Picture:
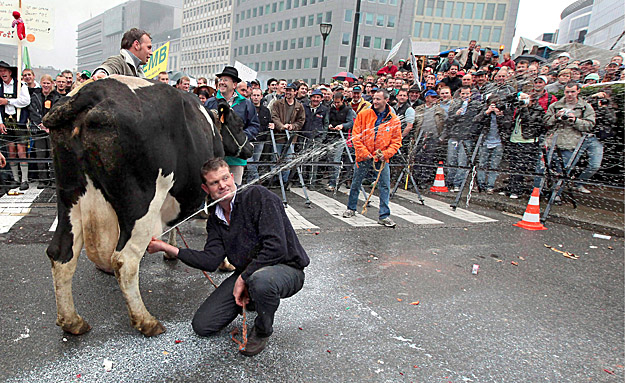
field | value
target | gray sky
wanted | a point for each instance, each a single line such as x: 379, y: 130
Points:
x: 534, y: 18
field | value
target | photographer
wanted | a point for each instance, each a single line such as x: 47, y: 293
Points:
x: 569, y: 117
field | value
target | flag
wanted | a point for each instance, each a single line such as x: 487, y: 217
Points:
x: 26, y: 59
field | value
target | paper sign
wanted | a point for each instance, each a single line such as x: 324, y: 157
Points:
x: 245, y: 73
x: 394, y: 51
x: 422, y: 48
x: 157, y: 62
x: 38, y: 20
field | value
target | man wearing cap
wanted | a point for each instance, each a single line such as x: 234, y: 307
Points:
x: 341, y: 118
x: 316, y: 126
x: 611, y: 72
x: 564, y: 76
x: 13, y: 120
x: 414, y: 96
x: 327, y: 96
x: 376, y: 138
x: 563, y: 60
x: 429, y: 119
x: 592, y: 78
x: 228, y: 80
x: 388, y: 69
x: 287, y: 114
x: 358, y: 103
x: 468, y: 56
x: 84, y: 76
x: 585, y: 67
x: 136, y: 49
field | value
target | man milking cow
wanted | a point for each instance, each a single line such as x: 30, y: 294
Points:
x: 251, y: 228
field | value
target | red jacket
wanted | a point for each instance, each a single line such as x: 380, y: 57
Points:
x: 367, y: 142
x: 510, y: 64
x: 546, y: 99
x: 386, y: 70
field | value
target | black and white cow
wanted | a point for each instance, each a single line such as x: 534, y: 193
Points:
x: 127, y: 159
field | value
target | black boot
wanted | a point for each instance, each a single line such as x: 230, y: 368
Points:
x: 255, y: 344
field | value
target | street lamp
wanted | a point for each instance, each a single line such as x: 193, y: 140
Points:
x: 325, y: 31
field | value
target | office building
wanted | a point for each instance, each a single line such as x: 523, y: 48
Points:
x: 607, y: 25
x: 574, y: 22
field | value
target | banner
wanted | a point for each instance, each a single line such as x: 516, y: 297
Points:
x: 157, y: 62
x: 421, y: 48
x: 245, y: 72
x: 38, y: 20
x: 394, y: 51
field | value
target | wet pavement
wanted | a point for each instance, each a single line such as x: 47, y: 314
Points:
x: 529, y: 315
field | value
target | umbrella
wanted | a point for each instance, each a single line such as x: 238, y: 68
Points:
x: 444, y: 53
x: 530, y: 58
x: 344, y: 76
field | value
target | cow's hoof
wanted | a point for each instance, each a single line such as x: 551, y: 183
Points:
x: 78, y: 327
x: 152, y: 328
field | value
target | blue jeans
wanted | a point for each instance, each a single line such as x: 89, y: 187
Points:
x: 594, y: 148
x: 360, y: 171
x: 457, y: 155
x: 251, y: 168
x: 288, y: 157
x: 489, y: 159
x: 334, y: 155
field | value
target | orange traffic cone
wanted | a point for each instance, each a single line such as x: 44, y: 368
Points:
x: 439, y: 180
x: 531, y: 218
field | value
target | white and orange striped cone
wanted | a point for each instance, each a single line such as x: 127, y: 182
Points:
x: 531, y: 218
x: 439, y: 180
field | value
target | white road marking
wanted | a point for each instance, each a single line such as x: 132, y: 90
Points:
x: 298, y: 221
x: 399, y: 211
x: 335, y: 208
x: 444, y: 208
x: 14, y: 207
x: 54, y: 224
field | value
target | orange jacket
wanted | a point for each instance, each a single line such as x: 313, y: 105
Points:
x: 366, y: 142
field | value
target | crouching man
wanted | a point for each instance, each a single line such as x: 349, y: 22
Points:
x: 251, y: 228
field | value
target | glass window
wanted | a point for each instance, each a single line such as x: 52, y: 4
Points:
x: 449, y: 9
x: 436, y: 30
x: 440, y: 4
x: 266, y: 28
x: 287, y: 24
x: 366, y: 42
x: 315, y: 62
x: 308, y: 41
x: 496, y: 35
x: 420, y: 7
x: 288, y: 4
x: 455, y: 32
x: 311, y: 20
x: 468, y: 11
x: 382, y: 1
x: 369, y: 18
x: 486, y: 33
x: 317, y: 40
x: 364, y: 64
x: 302, y: 21
x: 390, y: 23
x: 388, y: 44
x: 479, y: 11
x: 391, y: 2
x: 254, y: 12
x: 262, y: 66
x: 319, y: 18
x: 274, y: 7
x: 466, y: 29
x: 281, y: 6
x: 283, y: 65
x: 295, y: 3
x: 345, y: 39
x: 276, y: 65
x: 267, y: 9
x: 273, y: 27
x: 298, y: 64
x: 343, y: 61
x: 429, y: 8
x: 269, y: 65
x: 459, y: 10
x: 285, y: 45
x: 279, y: 26
x: 325, y: 61
x: 445, y: 34
x: 293, y: 42
x: 291, y: 63
x: 307, y: 63
x: 349, y: 15
x: 278, y: 46
x: 294, y: 22
x: 329, y: 17
x: 270, y: 47
x: 426, y: 30
x: 264, y: 47
x: 260, y: 13
x: 475, y: 34
x: 501, y: 11
x: 416, y: 31
x: 379, y: 22
x: 300, y: 42
x: 377, y: 43
x: 490, y: 11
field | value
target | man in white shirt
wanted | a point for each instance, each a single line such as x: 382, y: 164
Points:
x: 13, y: 121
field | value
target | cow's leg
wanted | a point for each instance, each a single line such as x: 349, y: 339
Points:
x: 62, y: 272
x: 126, y: 262
x: 172, y: 241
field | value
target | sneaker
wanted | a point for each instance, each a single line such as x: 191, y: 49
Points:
x: 456, y: 189
x: 558, y: 199
x: 43, y: 184
x: 388, y: 222
x: 490, y: 191
x: 330, y: 188
x: 581, y: 189
x: 24, y: 186
x: 502, y: 193
x: 514, y: 196
x: 255, y: 344
x: 349, y: 213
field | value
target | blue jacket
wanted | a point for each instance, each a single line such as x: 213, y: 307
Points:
x: 316, y: 125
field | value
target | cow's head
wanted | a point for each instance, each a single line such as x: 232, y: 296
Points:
x: 235, y: 141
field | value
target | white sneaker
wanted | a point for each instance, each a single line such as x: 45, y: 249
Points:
x: 349, y: 213
x: 456, y: 189
x: 582, y: 189
x: 514, y: 196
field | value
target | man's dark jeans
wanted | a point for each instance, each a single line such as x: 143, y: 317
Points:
x: 266, y: 287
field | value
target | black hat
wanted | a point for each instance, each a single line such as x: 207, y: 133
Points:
x: 231, y: 72
x: 586, y: 62
x: 291, y: 86
x: 480, y: 73
x: 4, y: 64
x: 357, y: 88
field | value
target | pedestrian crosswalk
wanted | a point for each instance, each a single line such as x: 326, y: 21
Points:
x: 326, y: 211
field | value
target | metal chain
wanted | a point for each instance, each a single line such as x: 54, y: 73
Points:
x: 473, y: 173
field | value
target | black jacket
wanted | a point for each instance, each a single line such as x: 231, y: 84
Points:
x: 260, y: 234
x: 462, y: 127
x: 264, y: 117
x: 38, y: 106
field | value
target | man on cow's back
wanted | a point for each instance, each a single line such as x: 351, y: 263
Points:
x: 136, y: 49
x: 251, y: 228
x: 228, y: 81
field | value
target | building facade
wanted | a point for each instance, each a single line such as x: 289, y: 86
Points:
x: 205, y: 41
x: 100, y: 36
x: 607, y: 25
x: 574, y: 22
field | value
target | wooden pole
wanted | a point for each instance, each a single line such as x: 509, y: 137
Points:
x: 19, y: 56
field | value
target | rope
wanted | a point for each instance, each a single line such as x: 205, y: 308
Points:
x: 187, y: 245
x: 364, y: 209
x: 243, y: 342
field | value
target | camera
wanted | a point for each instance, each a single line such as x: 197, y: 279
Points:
x: 564, y: 117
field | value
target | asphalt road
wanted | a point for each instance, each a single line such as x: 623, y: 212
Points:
x: 543, y: 318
